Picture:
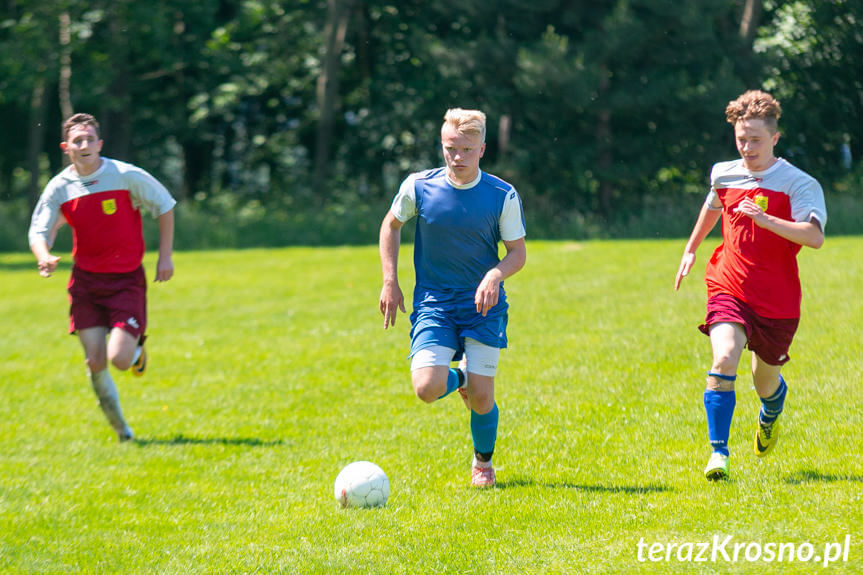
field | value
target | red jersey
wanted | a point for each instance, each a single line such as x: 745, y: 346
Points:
x: 103, y: 210
x: 754, y: 264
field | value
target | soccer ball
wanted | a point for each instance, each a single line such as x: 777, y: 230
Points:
x: 362, y: 484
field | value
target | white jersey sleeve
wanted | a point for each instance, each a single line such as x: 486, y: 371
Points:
x: 404, y: 205
x: 712, y: 199
x: 147, y: 193
x: 807, y: 200
x: 47, y: 217
x: 512, y: 218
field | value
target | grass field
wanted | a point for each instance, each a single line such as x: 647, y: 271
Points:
x: 270, y: 370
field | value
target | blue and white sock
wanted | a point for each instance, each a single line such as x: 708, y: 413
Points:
x: 772, y: 406
x: 719, y: 406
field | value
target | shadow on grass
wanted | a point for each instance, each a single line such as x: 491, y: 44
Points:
x: 627, y: 489
x: 184, y: 440
x: 810, y: 476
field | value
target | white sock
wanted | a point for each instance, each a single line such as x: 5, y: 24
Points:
x: 109, y: 400
x: 481, y: 464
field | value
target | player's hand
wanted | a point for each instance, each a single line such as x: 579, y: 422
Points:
x: 48, y: 265
x: 487, y: 293
x: 164, y: 269
x: 685, y: 266
x: 391, y: 301
x: 749, y: 208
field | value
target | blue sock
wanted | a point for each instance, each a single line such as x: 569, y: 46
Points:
x: 720, y: 408
x: 772, y: 406
x: 483, y: 428
x: 452, y: 382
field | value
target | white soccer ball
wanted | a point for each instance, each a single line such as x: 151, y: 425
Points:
x: 362, y: 484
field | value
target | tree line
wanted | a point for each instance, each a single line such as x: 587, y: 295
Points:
x: 599, y: 111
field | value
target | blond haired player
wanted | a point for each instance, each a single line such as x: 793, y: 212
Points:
x: 459, y: 304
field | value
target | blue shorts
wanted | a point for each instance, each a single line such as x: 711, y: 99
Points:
x: 446, y: 318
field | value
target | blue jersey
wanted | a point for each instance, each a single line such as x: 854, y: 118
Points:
x: 457, y: 230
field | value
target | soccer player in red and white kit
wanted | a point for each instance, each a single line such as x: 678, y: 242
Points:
x: 101, y: 199
x: 769, y: 210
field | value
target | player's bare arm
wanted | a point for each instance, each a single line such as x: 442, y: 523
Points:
x: 165, y: 265
x: 707, y: 218
x: 807, y: 234
x: 391, y: 299
x: 489, y: 288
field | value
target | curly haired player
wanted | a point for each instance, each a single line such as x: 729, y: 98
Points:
x: 769, y: 210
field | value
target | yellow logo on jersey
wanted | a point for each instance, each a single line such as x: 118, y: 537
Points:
x: 761, y: 202
x: 109, y: 207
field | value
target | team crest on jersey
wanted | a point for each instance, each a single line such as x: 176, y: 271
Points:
x: 109, y: 207
x: 761, y: 202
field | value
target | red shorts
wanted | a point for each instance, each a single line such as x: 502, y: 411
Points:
x: 768, y: 338
x: 108, y: 300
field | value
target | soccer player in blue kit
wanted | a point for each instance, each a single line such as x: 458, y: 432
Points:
x: 459, y: 304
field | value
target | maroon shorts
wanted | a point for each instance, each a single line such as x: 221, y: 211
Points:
x: 108, y: 300
x: 768, y: 338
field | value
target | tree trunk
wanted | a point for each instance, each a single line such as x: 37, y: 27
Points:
x: 605, y: 155
x: 36, y: 137
x: 749, y: 20
x: 338, y: 13
x: 65, y: 85
x: 192, y: 174
x: 504, y: 130
x: 116, y: 122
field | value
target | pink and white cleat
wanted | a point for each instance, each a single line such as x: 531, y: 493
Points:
x: 482, y: 477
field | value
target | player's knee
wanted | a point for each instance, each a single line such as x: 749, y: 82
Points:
x: 425, y: 389
x: 481, y: 394
x: 724, y: 363
x: 425, y: 394
x: 121, y: 358
x: 482, y: 403
x: 121, y: 363
x: 96, y: 361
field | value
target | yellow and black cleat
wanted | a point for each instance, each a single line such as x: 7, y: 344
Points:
x: 765, y: 437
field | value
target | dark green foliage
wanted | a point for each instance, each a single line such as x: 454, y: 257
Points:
x: 605, y: 115
x: 814, y: 51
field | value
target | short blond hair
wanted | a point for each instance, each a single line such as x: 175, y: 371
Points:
x: 754, y: 104
x: 465, y: 121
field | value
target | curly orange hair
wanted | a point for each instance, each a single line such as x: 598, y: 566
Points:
x: 754, y: 104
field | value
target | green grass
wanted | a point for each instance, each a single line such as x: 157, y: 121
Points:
x: 270, y: 370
